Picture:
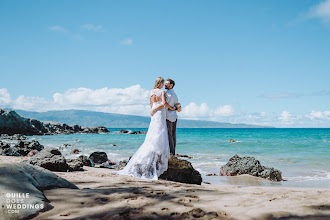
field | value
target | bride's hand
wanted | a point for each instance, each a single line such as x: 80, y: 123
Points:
x: 152, y: 112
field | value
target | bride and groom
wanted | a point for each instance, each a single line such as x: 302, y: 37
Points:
x: 151, y: 159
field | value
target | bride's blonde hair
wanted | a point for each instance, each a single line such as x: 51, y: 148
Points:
x: 159, y: 81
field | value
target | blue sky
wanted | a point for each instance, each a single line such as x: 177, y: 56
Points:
x: 255, y: 62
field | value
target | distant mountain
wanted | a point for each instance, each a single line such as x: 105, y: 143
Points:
x: 111, y: 120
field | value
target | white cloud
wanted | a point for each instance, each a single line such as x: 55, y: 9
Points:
x: 83, y: 96
x: 4, y: 98
x: 318, y: 115
x: 58, y: 28
x: 137, y: 109
x: 127, y: 42
x: 31, y: 103
x: 258, y: 115
x: 194, y: 111
x: 134, y: 101
x: 92, y: 27
x: 224, y: 111
x: 321, y: 11
x: 285, y: 117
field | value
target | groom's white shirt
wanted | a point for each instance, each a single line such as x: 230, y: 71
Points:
x: 171, y: 99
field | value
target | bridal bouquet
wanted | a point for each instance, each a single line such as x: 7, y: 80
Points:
x: 177, y: 106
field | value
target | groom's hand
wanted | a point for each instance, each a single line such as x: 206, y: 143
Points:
x: 152, y: 112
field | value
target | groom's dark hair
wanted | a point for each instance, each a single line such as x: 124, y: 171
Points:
x: 171, y: 82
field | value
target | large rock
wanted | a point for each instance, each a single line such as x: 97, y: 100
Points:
x: 249, y: 165
x: 50, y: 159
x: 181, y: 171
x: 98, y: 157
x: 21, y: 188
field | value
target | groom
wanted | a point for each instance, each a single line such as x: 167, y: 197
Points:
x: 171, y: 116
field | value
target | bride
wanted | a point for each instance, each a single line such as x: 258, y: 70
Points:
x: 151, y: 159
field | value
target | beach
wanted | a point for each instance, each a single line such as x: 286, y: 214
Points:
x: 103, y: 195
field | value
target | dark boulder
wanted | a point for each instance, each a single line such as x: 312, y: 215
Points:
x: 99, y: 157
x: 50, y: 159
x: 249, y: 165
x: 22, y: 179
x: 181, y: 171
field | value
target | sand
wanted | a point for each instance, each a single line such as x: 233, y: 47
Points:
x: 103, y: 195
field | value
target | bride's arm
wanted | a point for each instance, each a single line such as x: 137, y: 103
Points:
x: 162, y: 105
x: 150, y: 102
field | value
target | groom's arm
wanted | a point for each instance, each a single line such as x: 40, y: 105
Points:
x: 166, y: 104
x: 169, y: 107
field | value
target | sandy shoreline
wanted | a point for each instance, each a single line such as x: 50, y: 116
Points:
x: 103, y: 195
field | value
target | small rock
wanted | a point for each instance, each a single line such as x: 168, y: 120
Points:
x: 121, y: 165
x: 75, y: 151
x: 84, y: 159
x: 182, y: 155
x: 75, y: 166
x: 211, y: 174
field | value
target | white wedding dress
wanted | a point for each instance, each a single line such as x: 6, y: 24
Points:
x: 151, y: 159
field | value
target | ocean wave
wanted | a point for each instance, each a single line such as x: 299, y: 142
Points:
x: 322, y: 175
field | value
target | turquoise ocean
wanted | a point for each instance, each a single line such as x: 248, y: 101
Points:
x: 303, y: 155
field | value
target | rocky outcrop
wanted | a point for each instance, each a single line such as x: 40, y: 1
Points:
x: 131, y: 132
x: 23, y: 184
x: 11, y: 123
x: 13, y: 137
x: 249, y: 165
x: 20, y: 148
x: 50, y: 159
x: 181, y: 171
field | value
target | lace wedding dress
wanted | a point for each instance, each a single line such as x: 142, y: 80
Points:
x: 151, y: 159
